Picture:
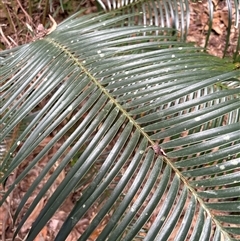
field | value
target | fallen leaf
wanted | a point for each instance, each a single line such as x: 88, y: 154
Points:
x: 33, y: 216
x: 54, y: 26
x: 42, y: 236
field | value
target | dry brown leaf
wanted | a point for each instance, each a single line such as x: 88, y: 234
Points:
x: 54, y: 26
x: 215, y: 2
x: 224, y: 17
x: 95, y: 233
x: 4, y: 219
x: 33, y: 216
x: 42, y: 236
x: 217, y: 26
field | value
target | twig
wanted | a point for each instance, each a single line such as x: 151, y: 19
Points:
x: 4, y: 37
x: 12, y: 41
x: 27, y: 15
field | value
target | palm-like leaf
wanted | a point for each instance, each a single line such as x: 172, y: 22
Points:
x: 120, y: 90
x: 172, y: 13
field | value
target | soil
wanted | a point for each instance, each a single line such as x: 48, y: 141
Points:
x: 12, y: 36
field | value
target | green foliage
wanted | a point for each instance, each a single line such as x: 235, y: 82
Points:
x: 110, y: 89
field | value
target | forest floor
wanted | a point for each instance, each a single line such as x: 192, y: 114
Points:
x: 12, y: 36
x: 18, y: 27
